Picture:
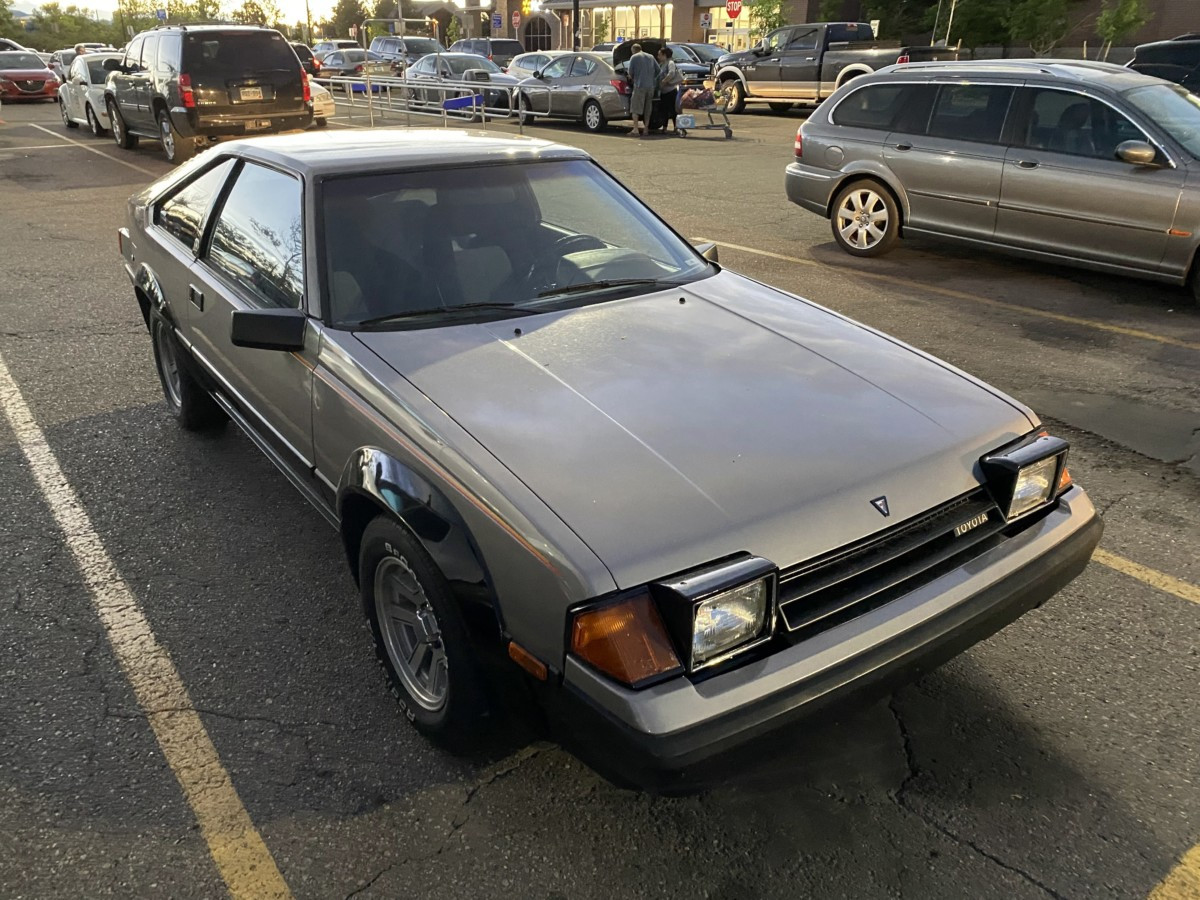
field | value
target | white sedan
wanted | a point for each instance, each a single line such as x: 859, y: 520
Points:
x: 324, y: 108
x: 81, y: 96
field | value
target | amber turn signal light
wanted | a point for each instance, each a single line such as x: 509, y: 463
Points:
x: 626, y: 640
x: 1064, y: 480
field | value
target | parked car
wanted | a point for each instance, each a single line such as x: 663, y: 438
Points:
x: 807, y: 63
x: 454, y: 68
x: 1066, y: 161
x: 356, y: 63
x: 784, y: 512
x: 190, y: 85
x: 9, y: 44
x: 321, y: 48
x: 1175, y: 60
x: 525, y: 65
x: 60, y: 61
x: 404, y: 51
x: 501, y: 51
x: 309, y: 63
x: 579, y: 86
x: 604, y: 47
x: 324, y: 107
x: 23, y: 76
x: 81, y: 96
x: 705, y: 53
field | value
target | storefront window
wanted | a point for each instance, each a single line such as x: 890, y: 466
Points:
x: 734, y: 34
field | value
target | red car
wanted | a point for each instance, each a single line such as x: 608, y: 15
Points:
x: 23, y: 76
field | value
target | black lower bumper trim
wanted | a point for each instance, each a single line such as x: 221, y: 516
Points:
x: 682, y: 762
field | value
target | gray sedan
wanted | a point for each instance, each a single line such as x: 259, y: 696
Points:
x: 580, y: 86
x: 576, y: 464
x: 1066, y: 161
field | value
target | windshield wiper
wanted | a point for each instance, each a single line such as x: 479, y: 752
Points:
x: 601, y: 285
x: 443, y: 311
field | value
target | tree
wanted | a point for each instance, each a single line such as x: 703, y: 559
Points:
x: 453, y: 30
x: 1042, y: 23
x: 900, y: 18
x: 1120, y: 20
x: 345, y: 14
x: 256, y: 12
x: 599, y: 28
x: 980, y: 23
x: 767, y: 15
x: 8, y: 27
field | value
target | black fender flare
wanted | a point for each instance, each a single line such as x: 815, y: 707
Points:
x: 373, y: 481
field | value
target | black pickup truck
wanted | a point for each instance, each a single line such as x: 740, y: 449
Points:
x: 807, y: 63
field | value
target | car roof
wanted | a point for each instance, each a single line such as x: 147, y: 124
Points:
x: 1074, y: 70
x: 344, y: 152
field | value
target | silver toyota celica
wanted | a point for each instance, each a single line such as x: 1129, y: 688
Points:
x: 577, y: 465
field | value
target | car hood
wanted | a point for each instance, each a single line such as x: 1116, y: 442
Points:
x: 680, y: 427
x: 27, y: 74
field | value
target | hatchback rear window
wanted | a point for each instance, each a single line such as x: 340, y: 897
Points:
x: 223, y: 54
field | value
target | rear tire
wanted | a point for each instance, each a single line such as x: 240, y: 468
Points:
x: 192, y: 406
x: 321, y: 123
x: 62, y: 108
x: 421, y: 640
x: 865, y: 219
x: 780, y: 107
x: 1194, y: 281
x: 178, y: 148
x: 93, y: 121
x: 593, y: 117
x: 121, y: 135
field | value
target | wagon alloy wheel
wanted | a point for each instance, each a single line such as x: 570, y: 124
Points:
x: 865, y: 219
x: 411, y: 633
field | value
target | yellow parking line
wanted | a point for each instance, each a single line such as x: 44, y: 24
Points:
x: 1158, y: 580
x: 973, y: 298
x: 241, y: 857
x: 1183, y: 883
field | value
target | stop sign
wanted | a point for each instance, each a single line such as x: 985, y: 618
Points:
x: 733, y: 7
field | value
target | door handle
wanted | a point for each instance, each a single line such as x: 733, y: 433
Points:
x: 904, y: 146
x: 1027, y: 163
x: 810, y: 59
x: 196, y: 296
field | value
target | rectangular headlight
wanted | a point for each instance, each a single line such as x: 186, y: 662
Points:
x: 728, y: 620
x: 1027, y: 475
x: 720, y: 610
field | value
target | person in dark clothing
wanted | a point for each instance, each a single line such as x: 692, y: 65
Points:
x: 669, y: 80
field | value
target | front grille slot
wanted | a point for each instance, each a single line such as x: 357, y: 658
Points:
x: 853, y: 580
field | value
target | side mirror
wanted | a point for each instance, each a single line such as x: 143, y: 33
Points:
x: 761, y: 48
x: 1139, y: 153
x: 708, y: 250
x: 112, y: 64
x: 537, y: 74
x: 268, y: 329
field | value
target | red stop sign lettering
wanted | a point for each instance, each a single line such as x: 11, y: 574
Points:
x: 733, y: 7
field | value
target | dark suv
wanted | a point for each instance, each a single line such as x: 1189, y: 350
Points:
x: 501, y: 51
x: 405, y: 50
x: 189, y: 85
x: 1175, y: 60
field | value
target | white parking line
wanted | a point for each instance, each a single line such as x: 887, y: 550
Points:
x: 241, y: 857
x: 36, y: 147
x: 122, y: 162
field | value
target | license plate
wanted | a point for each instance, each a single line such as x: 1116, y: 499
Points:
x: 250, y: 93
x: 258, y: 124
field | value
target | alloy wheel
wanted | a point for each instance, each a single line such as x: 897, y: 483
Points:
x: 591, y: 117
x: 862, y: 219
x: 168, y: 363
x: 168, y: 138
x: 411, y: 633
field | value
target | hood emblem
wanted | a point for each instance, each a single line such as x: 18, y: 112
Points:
x: 880, y: 503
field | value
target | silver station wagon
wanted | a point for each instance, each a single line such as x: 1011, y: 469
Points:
x: 578, y: 467
x: 1075, y: 162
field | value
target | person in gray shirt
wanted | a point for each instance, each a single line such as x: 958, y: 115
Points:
x: 643, y: 72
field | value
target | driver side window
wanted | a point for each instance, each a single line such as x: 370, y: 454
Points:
x: 133, y: 55
x: 557, y: 69
x: 803, y: 40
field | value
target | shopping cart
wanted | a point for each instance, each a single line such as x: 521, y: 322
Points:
x: 713, y: 103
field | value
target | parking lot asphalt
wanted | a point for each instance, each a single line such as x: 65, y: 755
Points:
x: 1059, y: 758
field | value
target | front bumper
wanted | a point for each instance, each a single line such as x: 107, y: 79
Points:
x: 810, y: 187
x: 11, y: 91
x: 664, y: 738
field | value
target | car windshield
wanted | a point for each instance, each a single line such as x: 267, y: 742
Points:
x: 460, y: 64
x: 407, y: 249
x: 422, y: 45
x: 679, y: 54
x: 1174, y: 109
x: 707, y: 52
x: 20, y: 61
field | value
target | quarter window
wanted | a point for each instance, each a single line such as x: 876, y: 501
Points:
x: 1075, y: 124
x: 970, y: 112
x: 258, y: 241
x: 182, y: 214
x: 582, y: 66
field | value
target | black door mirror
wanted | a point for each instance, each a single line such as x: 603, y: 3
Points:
x: 1137, y: 152
x: 112, y: 64
x: 268, y: 329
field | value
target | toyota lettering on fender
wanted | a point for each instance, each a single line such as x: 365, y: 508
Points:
x: 733, y: 7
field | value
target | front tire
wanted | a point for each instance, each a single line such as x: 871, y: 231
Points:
x: 865, y: 220
x: 593, y: 117
x: 192, y: 406
x: 420, y: 638
x: 178, y: 148
x: 737, y: 96
x: 321, y: 123
x: 62, y: 108
x: 121, y: 135
x: 94, y: 122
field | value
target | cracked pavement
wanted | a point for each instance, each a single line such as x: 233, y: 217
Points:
x: 1058, y: 758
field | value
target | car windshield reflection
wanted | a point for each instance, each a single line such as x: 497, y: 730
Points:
x: 490, y: 241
